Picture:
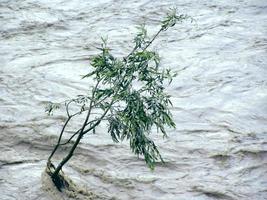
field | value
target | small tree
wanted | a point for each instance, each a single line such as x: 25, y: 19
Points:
x: 128, y: 94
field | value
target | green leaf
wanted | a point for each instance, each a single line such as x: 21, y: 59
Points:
x: 51, y: 107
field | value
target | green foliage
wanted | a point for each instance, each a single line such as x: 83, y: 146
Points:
x: 130, y: 94
x: 172, y: 18
x: 50, y: 107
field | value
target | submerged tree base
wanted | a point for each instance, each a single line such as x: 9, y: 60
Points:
x: 60, y: 180
x: 65, y: 187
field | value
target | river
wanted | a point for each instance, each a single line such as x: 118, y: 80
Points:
x: 217, y: 151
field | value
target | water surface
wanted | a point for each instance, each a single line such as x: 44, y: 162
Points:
x: 219, y: 149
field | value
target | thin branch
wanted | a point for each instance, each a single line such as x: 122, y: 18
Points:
x: 77, y: 132
x: 148, y: 44
x: 62, y: 163
x: 155, y: 36
x: 59, y: 139
x: 67, y: 107
x: 102, y: 117
x: 97, y: 103
x: 127, y: 57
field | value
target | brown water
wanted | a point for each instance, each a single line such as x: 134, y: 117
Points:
x: 219, y: 149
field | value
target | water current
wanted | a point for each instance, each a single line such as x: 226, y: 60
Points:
x: 217, y: 151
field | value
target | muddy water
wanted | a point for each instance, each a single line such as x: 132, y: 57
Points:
x: 219, y: 149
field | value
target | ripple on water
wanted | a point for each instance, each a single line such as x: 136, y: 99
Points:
x: 218, y: 150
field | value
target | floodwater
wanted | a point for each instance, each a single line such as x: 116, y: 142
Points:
x: 219, y: 148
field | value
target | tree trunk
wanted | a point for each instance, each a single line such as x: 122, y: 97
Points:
x: 57, y: 178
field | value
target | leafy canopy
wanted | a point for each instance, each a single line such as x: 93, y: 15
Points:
x: 130, y: 93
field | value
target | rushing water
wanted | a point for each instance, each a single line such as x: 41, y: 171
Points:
x: 219, y: 149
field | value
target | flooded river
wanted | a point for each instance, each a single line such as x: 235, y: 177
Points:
x: 219, y: 148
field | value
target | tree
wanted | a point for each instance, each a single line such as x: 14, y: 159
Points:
x: 129, y: 94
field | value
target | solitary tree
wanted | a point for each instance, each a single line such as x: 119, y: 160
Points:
x: 129, y: 94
